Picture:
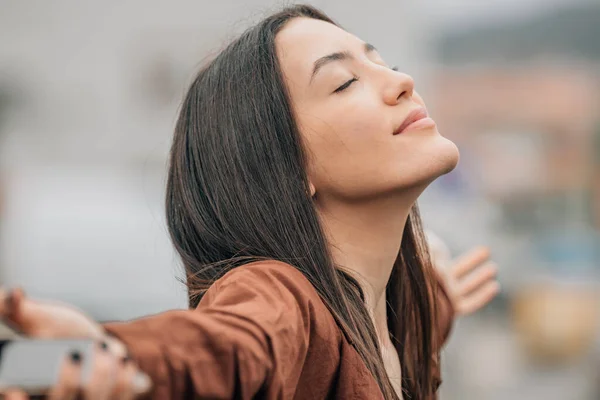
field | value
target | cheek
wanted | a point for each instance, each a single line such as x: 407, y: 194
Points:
x: 353, y: 122
x: 342, y: 129
x: 418, y: 99
x: 345, y: 148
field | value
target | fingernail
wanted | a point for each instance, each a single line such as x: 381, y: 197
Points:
x: 75, y: 357
x: 102, y: 344
x: 141, y: 382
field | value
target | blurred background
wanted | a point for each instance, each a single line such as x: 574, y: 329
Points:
x: 88, y: 98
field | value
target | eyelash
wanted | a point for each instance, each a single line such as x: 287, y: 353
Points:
x: 355, y: 79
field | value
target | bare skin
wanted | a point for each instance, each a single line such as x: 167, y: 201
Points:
x: 113, y: 375
x: 364, y: 178
x: 471, y: 281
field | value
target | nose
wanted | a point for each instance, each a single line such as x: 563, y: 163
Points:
x: 399, y: 86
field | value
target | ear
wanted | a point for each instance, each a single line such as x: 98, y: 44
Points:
x: 312, y: 189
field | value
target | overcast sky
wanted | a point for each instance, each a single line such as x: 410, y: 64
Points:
x: 443, y: 12
x: 459, y: 12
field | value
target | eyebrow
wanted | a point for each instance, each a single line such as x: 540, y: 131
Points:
x: 337, y: 56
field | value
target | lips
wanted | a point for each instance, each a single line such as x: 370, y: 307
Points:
x: 414, y: 116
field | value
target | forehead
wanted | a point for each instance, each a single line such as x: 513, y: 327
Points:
x: 304, y: 40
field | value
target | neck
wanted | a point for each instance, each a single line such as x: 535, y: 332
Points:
x: 365, y: 240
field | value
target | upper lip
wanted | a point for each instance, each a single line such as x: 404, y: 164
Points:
x: 413, y: 116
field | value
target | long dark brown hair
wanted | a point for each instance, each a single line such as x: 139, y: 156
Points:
x: 238, y: 192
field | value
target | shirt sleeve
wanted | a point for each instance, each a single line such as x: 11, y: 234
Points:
x: 248, y: 337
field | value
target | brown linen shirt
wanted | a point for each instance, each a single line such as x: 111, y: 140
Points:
x: 261, y: 331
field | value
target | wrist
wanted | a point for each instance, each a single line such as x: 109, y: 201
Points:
x: 117, y: 347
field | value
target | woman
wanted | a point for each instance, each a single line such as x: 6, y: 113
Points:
x: 297, y: 160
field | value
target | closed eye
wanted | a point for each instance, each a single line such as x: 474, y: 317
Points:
x: 351, y: 81
x: 345, y: 85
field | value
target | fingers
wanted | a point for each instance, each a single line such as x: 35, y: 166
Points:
x: 104, y: 373
x: 115, y: 377
x: 476, y: 300
x: 111, y: 377
x: 474, y: 278
x: 11, y: 306
x: 116, y: 347
x: 68, y: 387
x: 123, y: 388
x: 477, y: 279
x: 469, y: 261
x: 131, y: 382
x: 15, y: 395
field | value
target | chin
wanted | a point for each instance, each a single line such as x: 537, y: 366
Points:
x: 449, y: 156
x: 437, y: 156
x: 444, y: 158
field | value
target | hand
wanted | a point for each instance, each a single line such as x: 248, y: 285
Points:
x: 471, y: 281
x: 45, y: 319
x: 51, y: 320
x: 113, y: 373
x: 15, y: 394
x: 110, y: 378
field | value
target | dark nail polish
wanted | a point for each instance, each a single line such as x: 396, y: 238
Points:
x: 75, y: 357
x: 103, y: 345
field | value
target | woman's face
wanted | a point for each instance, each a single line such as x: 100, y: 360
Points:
x: 348, y: 106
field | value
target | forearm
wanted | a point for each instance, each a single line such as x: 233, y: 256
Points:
x: 190, y: 354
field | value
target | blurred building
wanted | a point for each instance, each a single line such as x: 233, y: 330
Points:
x: 534, y: 129
x: 521, y: 99
x: 89, y: 93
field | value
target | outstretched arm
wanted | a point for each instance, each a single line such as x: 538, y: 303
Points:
x: 249, y: 335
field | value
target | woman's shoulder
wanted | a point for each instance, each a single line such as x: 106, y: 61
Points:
x: 271, y: 273
x: 272, y: 287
